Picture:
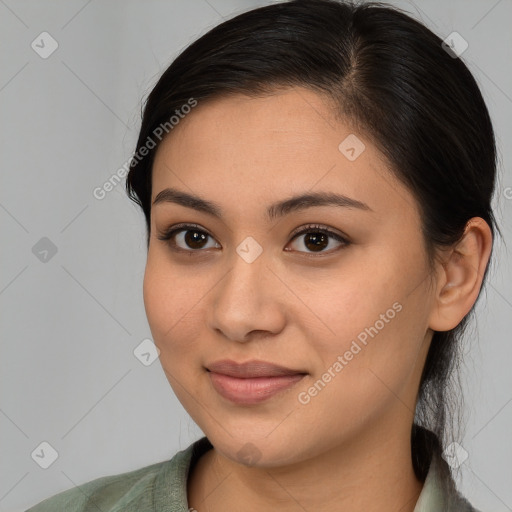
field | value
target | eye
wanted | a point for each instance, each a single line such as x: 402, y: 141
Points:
x: 182, y: 236
x: 316, y: 238
x: 192, y: 238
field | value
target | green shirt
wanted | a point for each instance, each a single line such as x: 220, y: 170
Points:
x: 162, y: 487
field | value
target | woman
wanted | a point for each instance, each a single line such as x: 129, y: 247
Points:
x: 316, y: 179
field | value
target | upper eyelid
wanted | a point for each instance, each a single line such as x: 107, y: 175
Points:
x: 320, y: 227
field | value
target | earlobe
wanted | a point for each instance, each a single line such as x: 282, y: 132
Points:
x: 460, y: 276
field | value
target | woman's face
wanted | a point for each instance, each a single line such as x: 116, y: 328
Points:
x: 351, y: 316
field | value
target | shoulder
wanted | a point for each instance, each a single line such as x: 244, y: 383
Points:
x: 159, y: 487
x: 133, y: 488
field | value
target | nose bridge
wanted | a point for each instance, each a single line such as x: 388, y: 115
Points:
x: 243, y: 300
x: 246, y: 275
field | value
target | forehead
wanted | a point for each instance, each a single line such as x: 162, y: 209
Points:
x: 253, y: 149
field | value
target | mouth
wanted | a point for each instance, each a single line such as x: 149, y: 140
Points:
x: 251, y: 369
x: 251, y: 382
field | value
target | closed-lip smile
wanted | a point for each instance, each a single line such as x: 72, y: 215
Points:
x: 252, y: 368
x: 251, y: 382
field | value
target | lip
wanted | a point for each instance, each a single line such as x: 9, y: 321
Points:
x: 252, y: 368
x: 251, y: 382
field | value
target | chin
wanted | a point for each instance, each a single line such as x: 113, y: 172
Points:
x: 255, y: 450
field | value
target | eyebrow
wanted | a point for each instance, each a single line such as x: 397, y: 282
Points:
x: 275, y: 210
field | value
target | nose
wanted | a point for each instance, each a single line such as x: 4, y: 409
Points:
x: 247, y: 302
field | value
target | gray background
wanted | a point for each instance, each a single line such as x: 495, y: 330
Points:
x: 70, y: 325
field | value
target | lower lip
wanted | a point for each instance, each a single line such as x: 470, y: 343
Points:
x: 251, y: 391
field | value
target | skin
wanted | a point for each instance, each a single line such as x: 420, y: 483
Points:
x: 349, y: 447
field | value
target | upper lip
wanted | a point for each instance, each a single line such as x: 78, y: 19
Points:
x: 253, y: 368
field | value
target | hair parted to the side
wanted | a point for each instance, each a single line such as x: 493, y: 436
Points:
x: 389, y: 75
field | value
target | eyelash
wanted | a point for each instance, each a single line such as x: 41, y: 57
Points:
x: 311, y: 228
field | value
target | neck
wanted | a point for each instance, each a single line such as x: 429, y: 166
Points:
x: 372, y: 471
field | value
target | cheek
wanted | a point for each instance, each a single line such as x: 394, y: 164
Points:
x: 371, y: 319
x: 173, y: 317
x: 380, y: 355
x: 172, y: 304
x: 351, y: 304
x: 366, y: 371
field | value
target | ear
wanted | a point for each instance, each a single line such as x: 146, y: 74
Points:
x: 459, y: 276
